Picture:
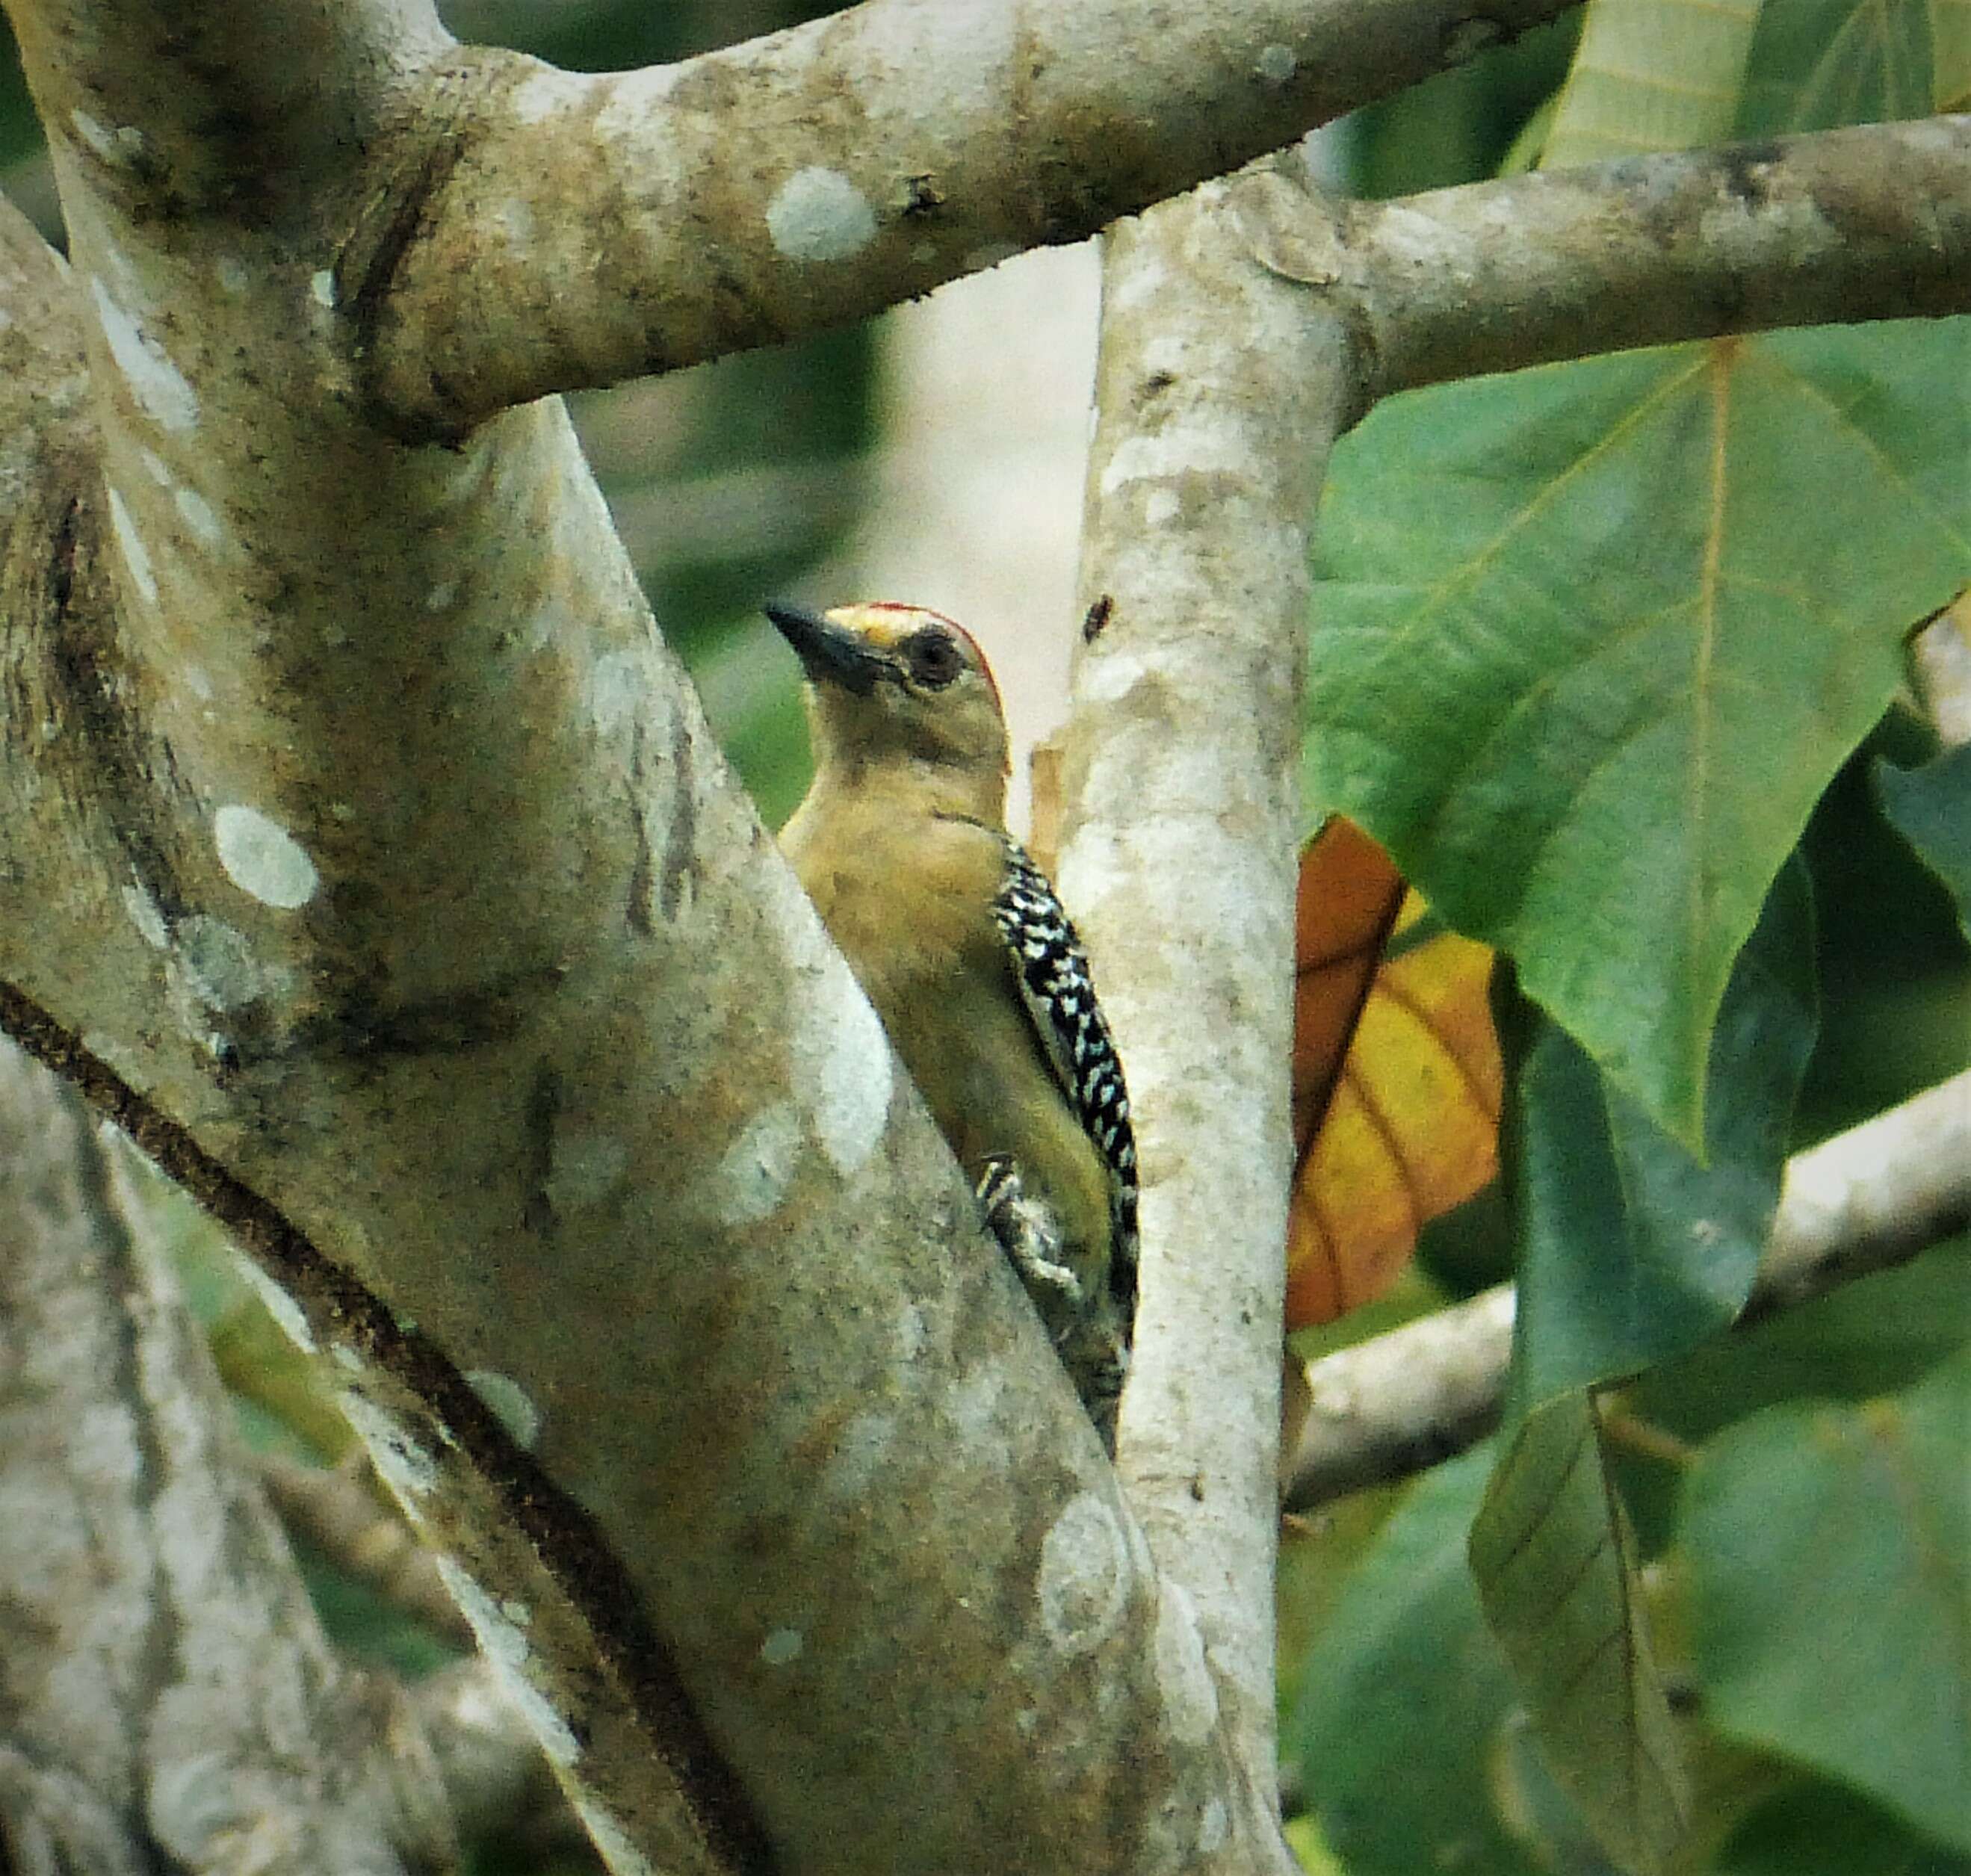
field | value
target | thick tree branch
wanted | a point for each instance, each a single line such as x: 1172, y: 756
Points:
x: 365, y: 854
x: 172, y: 1701
x: 570, y: 230
x: 1868, y: 1199
x: 1217, y: 400
x: 1845, y: 225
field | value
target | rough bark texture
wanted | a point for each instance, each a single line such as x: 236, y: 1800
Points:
x: 1217, y: 398
x: 170, y: 1700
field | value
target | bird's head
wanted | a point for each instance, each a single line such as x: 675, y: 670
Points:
x: 889, y: 683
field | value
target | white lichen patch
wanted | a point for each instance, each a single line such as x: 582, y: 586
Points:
x: 509, y: 1403
x: 1179, y: 448
x: 782, y: 1646
x: 622, y: 1856
x: 1214, y: 1825
x: 197, y: 515
x: 233, y: 274
x: 585, y: 1164
x: 279, y: 1303
x: 752, y: 1176
x: 1276, y: 64
x: 136, y: 556
x: 516, y: 1612
x: 840, y: 1053
x: 1190, y: 1697
x: 321, y: 288
x: 401, y: 1463
x: 974, y: 1404
x: 542, y: 93
x: 1085, y: 1575
x: 155, y: 467
x: 616, y: 684
x: 218, y: 962
x: 262, y: 858
x: 144, y: 915
x: 119, y: 148
x: 162, y: 390
x: 1161, y: 506
x: 438, y: 597
x: 818, y: 214
x: 196, y: 682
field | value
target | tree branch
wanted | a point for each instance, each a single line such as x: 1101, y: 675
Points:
x: 1844, y: 225
x: 171, y: 1699
x: 1217, y: 399
x: 575, y: 230
x: 1861, y: 1202
x: 367, y: 857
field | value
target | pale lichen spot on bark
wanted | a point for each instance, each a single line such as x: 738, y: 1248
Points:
x: 1276, y: 64
x: 162, y: 390
x: 1214, y: 1825
x: 1190, y: 1695
x: 321, y: 288
x: 752, y: 1176
x: 840, y: 1052
x: 782, y: 1646
x: 975, y: 1405
x: 277, y: 1301
x: 609, y: 1837
x: 401, y: 1463
x: 1179, y: 448
x: 542, y: 93
x: 196, y: 683
x: 262, y: 858
x: 136, y: 556
x: 1161, y: 506
x: 233, y: 274
x: 818, y: 214
x: 616, y: 685
x: 509, y: 1404
x: 119, y: 148
x: 198, y: 516
x: 218, y: 962
x: 501, y: 1640
x: 145, y: 916
x: 1085, y: 1575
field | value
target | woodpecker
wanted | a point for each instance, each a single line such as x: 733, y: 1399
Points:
x: 970, y: 961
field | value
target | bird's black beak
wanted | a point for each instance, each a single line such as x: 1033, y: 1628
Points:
x: 830, y: 654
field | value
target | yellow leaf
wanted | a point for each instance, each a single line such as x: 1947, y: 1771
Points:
x: 1396, y: 1077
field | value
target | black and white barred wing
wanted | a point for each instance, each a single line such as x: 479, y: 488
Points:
x: 1059, y: 992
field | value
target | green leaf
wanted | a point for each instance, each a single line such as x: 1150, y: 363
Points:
x: 1931, y: 809
x: 1405, y: 1675
x: 1633, y: 1250
x: 1592, y: 639
x: 1819, y: 1827
x: 1553, y: 1560
x: 1652, y: 75
x: 1815, y: 63
x: 1831, y: 1592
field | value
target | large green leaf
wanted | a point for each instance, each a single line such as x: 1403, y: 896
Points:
x: 1632, y: 1250
x: 1815, y: 63
x: 1829, y: 1552
x: 1553, y: 1560
x: 1651, y: 75
x: 1592, y: 639
x: 1931, y: 809
x: 1403, y: 1695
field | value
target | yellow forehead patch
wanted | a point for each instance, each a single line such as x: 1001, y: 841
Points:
x: 884, y: 623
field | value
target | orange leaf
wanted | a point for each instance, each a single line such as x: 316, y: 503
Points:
x: 1396, y: 1077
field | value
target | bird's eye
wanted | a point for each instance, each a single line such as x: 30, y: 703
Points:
x: 933, y: 657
